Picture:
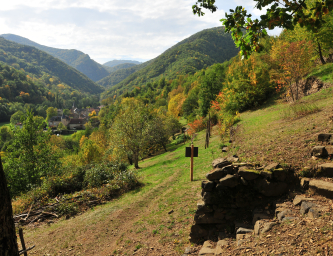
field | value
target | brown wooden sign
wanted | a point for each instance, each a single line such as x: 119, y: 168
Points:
x: 188, y: 152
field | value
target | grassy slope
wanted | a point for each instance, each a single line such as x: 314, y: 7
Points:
x: 139, y: 218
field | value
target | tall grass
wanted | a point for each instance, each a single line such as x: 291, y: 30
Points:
x: 299, y: 109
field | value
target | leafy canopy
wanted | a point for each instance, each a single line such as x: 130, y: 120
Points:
x: 284, y: 14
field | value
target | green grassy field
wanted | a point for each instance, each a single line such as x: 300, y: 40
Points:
x: 4, y: 124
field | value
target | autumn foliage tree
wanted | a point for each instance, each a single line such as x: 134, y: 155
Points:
x: 291, y: 62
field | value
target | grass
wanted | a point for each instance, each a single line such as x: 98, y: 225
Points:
x: 299, y: 109
x: 4, y: 124
x: 323, y: 72
x: 142, y: 215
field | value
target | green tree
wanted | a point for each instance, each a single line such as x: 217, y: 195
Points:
x: 16, y: 117
x: 130, y: 131
x: 61, y: 127
x: 247, y: 32
x: 51, y: 112
x: 29, y: 157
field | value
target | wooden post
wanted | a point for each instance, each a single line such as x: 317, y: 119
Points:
x: 192, y: 151
x: 22, y: 242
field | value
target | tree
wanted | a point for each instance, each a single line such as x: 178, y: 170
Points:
x: 292, y: 62
x: 130, y: 131
x: 246, y: 32
x: 29, y: 157
x: 61, y: 127
x: 16, y: 117
x: 321, y: 38
x: 51, y: 112
x: 8, y: 242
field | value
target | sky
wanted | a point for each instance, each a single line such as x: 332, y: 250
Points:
x: 111, y: 29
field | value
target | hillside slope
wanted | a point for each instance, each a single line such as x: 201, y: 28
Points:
x: 38, y: 62
x: 121, y: 74
x: 188, y: 56
x: 74, y: 58
x: 156, y: 219
x: 120, y: 66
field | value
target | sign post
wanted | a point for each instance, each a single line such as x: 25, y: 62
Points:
x: 192, y: 162
x: 191, y: 152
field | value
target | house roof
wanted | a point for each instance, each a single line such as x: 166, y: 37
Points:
x: 77, y: 121
x: 55, y: 118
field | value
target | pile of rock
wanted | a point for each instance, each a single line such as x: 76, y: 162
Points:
x: 301, y: 208
x: 237, y: 195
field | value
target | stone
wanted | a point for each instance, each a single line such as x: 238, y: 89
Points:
x: 288, y: 219
x: 279, y: 174
x: 207, y: 249
x: 324, y: 137
x: 200, y: 231
x: 219, y: 245
x: 208, y: 186
x: 208, y: 198
x: 242, y: 164
x: 267, y: 174
x: 242, y: 236
x: 319, y: 151
x: 207, y: 218
x: 313, y: 213
x: 326, y: 169
x: 203, y: 208
x: 219, y: 173
x: 187, y: 250
x: 283, y: 214
x: 219, y: 214
x: 329, y: 150
x: 305, y: 207
x: 228, y: 181
x: 225, y: 149
x: 233, y: 159
x: 268, y: 188
x: 248, y: 174
x: 257, y: 226
x: 305, y: 183
x: 299, y: 199
x: 220, y: 162
x: 244, y: 231
x: 267, y: 226
x: 259, y: 216
x: 323, y: 188
x: 272, y: 166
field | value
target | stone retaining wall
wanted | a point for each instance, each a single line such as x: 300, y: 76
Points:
x: 237, y: 195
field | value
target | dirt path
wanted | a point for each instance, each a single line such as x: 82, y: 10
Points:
x: 110, y: 229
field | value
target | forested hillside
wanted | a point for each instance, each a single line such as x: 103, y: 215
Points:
x: 119, y: 75
x: 120, y: 66
x: 188, y: 56
x: 113, y: 63
x: 39, y: 63
x: 74, y: 58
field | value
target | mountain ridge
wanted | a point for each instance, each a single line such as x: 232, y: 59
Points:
x: 75, y: 58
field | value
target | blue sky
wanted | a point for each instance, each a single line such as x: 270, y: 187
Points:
x: 111, y: 29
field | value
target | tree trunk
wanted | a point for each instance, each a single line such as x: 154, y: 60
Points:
x: 164, y: 146
x: 320, y: 54
x: 136, y: 161
x: 8, y: 243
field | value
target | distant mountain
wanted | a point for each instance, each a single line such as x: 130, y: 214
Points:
x: 74, y: 58
x: 120, y: 66
x: 113, y: 63
x: 187, y: 57
x: 39, y: 63
x: 119, y: 75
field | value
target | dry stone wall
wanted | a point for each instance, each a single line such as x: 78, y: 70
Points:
x: 237, y: 195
